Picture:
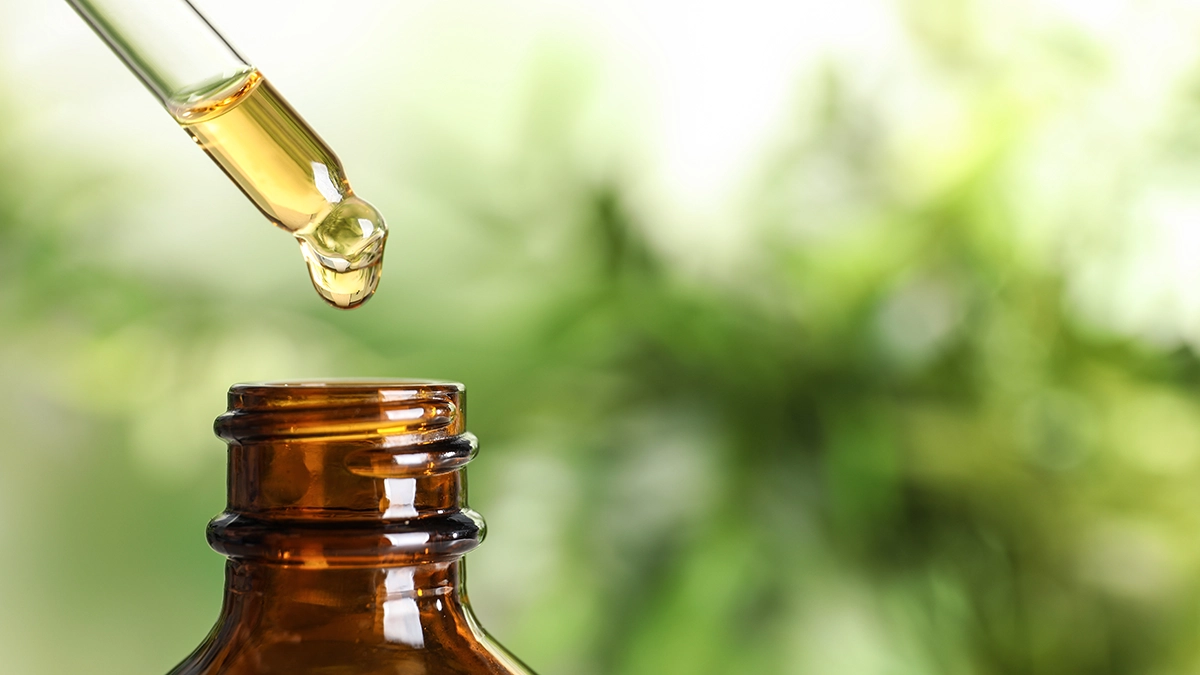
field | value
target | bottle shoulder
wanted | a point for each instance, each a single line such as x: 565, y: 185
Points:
x: 341, y: 658
x: 452, y: 643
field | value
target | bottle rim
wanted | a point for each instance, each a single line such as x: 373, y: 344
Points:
x: 408, y: 411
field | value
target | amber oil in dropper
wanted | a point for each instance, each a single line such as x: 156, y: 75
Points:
x: 294, y: 178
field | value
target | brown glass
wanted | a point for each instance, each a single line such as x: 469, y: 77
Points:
x: 345, y: 530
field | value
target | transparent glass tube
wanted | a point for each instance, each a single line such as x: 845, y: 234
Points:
x: 169, y: 45
x: 253, y: 135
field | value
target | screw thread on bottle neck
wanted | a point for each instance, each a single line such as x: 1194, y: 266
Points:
x: 346, y: 474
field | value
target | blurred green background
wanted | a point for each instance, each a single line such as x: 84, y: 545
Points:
x: 823, y: 338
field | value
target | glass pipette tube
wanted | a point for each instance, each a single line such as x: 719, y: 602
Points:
x: 253, y: 134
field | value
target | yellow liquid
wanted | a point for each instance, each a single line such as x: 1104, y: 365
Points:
x: 297, y: 182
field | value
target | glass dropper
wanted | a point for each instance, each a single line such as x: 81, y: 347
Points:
x: 253, y: 134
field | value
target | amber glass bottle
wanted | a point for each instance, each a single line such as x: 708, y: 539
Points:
x: 345, y: 531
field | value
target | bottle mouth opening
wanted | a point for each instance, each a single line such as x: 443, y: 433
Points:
x: 404, y: 411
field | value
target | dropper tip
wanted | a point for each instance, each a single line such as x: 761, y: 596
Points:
x: 344, y: 252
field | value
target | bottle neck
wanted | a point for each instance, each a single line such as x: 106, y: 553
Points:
x: 415, y: 606
x: 347, y: 515
x: 323, y: 505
